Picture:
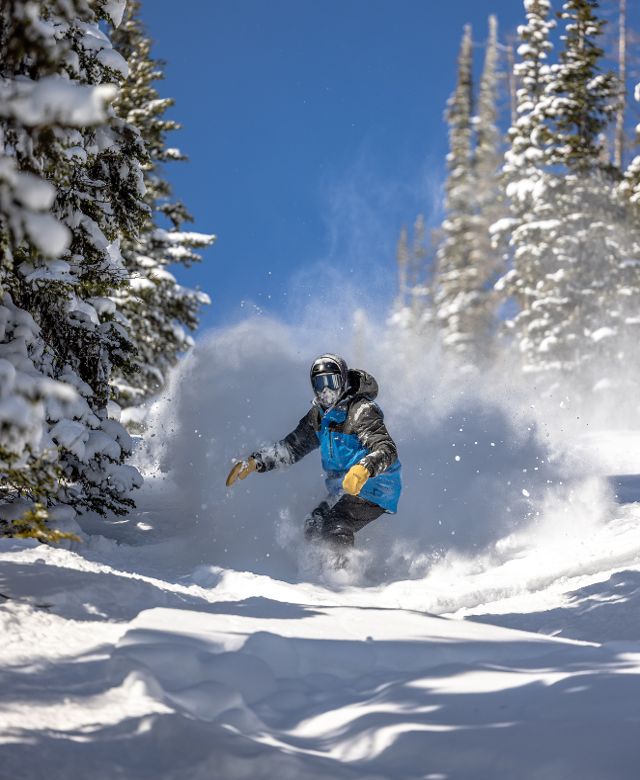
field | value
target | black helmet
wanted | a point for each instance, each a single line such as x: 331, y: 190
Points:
x: 328, y: 378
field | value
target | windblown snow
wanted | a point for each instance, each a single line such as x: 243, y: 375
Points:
x: 488, y: 631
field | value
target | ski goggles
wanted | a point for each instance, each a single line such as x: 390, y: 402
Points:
x: 321, y: 381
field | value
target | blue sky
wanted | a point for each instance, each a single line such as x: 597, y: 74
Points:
x: 314, y: 130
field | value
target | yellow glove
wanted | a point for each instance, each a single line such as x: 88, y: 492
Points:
x: 354, y: 479
x: 241, y: 470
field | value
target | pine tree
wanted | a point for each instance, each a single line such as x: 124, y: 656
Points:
x: 567, y: 248
x: 590, y: 249
x: 467, y: 265
x: 456, y: 292
x: 485, y: 260
x: 70, y: 190
x: 525, y: 159
x: 582, y: 99
x: 156, y: 308
x: 525, y: 232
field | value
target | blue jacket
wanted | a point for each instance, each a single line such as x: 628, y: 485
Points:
x: 351, y: 432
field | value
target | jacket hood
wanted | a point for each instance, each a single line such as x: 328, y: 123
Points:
x: 360, y: 383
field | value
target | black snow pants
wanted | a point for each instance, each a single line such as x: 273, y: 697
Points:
x: 337, y: 524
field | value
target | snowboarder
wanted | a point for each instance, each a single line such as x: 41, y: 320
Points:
x: 359, y: 456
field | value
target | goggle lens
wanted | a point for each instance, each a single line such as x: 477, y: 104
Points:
x: 332, y: 381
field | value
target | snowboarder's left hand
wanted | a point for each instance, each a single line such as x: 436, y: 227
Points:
x: 354, y: 479
x: 241, y: 470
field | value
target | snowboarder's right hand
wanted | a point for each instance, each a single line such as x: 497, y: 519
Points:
x: 241, y: 470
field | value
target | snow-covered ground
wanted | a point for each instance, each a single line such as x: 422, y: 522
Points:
x: 489, y: 631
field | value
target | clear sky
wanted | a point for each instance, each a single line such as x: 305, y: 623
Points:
x: 314, y: 130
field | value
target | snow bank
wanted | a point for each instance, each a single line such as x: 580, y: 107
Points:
x: 345, y: 693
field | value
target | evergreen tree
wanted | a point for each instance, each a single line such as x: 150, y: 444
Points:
x: 525, y: 159
x: 582, y: 304
x: 582, y: 99
x: 467, y: 265
x: 525, y: 232
x: 156, y: 308
x: 456, y: 293
x: 70, y: 189
x: 566, y: 236
x: 485, y: 260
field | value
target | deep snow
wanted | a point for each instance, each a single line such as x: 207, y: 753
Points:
x: 488, y: 630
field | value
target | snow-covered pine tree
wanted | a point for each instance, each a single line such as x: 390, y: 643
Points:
x: 467, y: 264
x: 576, y: 307
x: 455, y: 289
x: 524, y: 159
x: 71, y: 188
x: 525, y: 233
x: 155, y: 306
x: 582, y: 98
x: 485, y: 260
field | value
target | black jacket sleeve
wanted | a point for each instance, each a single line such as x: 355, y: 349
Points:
x: 292, y: 448
x: 368, y: 425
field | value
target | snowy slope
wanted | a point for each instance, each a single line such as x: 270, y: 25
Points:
x: 123, y: 674
x: 489, y: 630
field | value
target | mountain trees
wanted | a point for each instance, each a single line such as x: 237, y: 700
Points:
x: 72, y: 188
x: 559, y: 215
x: 156, y: 308
x: 466, y: 265
x: 578, y: 250
x: 75, y: 193
x: 530, y: 222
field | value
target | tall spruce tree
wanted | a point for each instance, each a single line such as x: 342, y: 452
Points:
x: 525, y: 232
x: 485, y: 260
x: 156, y: 308
x: 579, y: 288
x: 70, y: 188
x: 467, y: 264
x: 456, y: 295
x: 582, y: 98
